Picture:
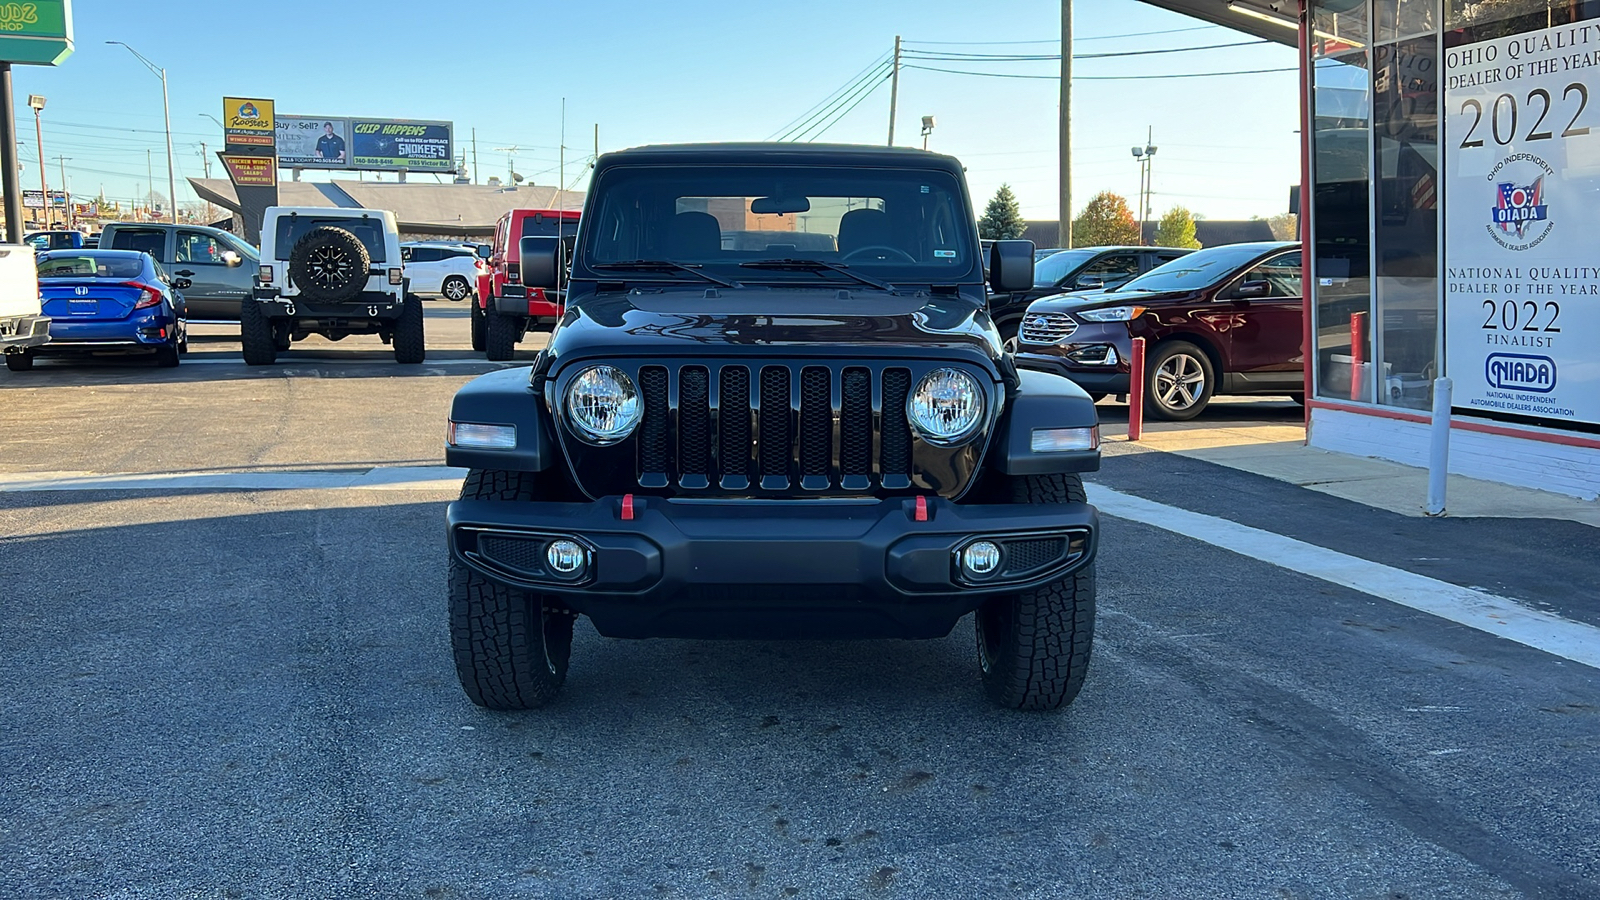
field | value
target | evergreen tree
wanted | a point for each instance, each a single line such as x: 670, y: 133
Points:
x: 1176, y: 229
x: 1002, y: 220
x: 1105, y: 222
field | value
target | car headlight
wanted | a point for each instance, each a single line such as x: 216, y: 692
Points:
x: 1111, y: 314
x: 603, y: 405
x: 946, y: 407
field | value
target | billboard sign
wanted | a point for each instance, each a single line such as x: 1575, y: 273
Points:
x: 1521, y: 286
x: 38, y: 32
x: 313, y: 142
x: 389, y: 144
x: 247, y: 122
x: 35, y: 199
x: 251, y: 171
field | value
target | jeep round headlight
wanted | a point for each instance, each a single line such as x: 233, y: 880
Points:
x: 603, y: 405
x: 946, y: 407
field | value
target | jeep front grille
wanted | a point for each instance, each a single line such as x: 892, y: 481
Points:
x: 774, y: 428
x: 1047, y: 327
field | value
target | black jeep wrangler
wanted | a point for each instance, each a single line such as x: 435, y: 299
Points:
x: 775, y: 407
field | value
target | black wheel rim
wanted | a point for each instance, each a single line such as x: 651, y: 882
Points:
x: 330, y: 267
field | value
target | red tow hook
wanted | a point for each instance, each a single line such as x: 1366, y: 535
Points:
x: 627, y: 507
x: 922, y: 509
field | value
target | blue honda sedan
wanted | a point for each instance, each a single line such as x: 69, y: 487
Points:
x: 109, y: 302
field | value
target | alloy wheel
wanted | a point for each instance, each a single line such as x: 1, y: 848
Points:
x: 1180, y: 382
x: 330, y: 266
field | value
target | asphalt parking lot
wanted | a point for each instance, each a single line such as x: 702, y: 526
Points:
x: 221, y: 691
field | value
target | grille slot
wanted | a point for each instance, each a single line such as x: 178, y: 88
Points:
x: 1047, y: 327
x: 694, y: 426
x: 855, y: 423
x: 653, y: 430
x: 733, y: 425
x: 775, y: 439
x: 816, y: 424
x: 895, y: 452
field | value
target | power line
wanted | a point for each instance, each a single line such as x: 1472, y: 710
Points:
x: 877, y: 84
x: 807, y: 118
x: 821, y: 121
x: 1001, y: 57
x: 1102, y: 77
x: 1098, y: 37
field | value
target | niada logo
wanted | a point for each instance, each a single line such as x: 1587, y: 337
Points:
x: 1520, y: 217
x: 1517, y: 372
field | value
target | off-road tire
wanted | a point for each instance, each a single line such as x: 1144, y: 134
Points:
x: 167, y: 357
x: 500, y: 334
x: 19, y: 362
x: 255, y: 335
x: 456, y: 289
x: 477, y: 326
x: 1033, y: 646
x: 1157, y: 408
x: 329, y: 265
x: 410, y: 346
x: 282, y: 338
x: 511, y: 647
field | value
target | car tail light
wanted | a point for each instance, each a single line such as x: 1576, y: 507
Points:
x: 265, y: 274
x: 149, y: 296
x: 397, y: 276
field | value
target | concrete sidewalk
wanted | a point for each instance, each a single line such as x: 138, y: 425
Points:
x: 1277, y: 450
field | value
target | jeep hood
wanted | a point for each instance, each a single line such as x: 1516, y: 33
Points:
x: 771, y: 323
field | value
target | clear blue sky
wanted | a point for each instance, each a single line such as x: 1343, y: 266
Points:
x: 691, y: 70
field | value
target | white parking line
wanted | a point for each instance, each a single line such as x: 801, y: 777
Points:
x: 403, y: 478
x: 1483, y: 611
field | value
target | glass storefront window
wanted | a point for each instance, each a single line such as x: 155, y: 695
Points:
x: 1394, y: 20
x: 1341, y: 111
x: 1339, y: 25
x: 1406, y: 225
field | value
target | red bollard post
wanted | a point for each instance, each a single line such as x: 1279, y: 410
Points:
x: 1358, y: 352
x: 1136, y: 390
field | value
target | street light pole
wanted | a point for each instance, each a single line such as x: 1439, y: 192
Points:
x: 66, y: 196
x: 166, y: 109
x: 37, y: 102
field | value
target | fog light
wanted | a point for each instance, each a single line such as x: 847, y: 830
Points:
x: 565, y: 557
x: 980, y: 557
x: 1056, y: 440
x: 1095, y: 355
x: 482, y: 437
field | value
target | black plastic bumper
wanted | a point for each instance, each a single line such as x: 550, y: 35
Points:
x: 1099, y: 380
x: 772, y: 569
x: 370, y: 305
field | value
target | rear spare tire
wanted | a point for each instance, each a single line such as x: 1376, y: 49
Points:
x: 329, y: 265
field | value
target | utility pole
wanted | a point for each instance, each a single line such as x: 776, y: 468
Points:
x: 150, y: 180
x: 205, y: 162
x: 596, y: 145
x: 37, y: 102
x: 894, y: 87
x: 66, y: 195
x: 1064, y: 236
x: 10, y: 177
x: 474, y: 156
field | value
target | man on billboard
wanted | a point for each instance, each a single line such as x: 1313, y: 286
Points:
x: 330, y: 146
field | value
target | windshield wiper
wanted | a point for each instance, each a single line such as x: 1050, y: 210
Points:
x: 817, y: 265
x: 662, y: 265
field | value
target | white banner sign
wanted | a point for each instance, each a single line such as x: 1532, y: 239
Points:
x: 1522, y: 231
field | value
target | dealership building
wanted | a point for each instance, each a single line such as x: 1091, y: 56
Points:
x: 1451, y: 193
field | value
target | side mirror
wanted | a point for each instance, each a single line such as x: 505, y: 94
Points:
x: 1091, y: 282
x: 1252, y: 289
x: 484, y: 251
x: 231, y: 259
x: 1011, y: 266
x: 539, y: 258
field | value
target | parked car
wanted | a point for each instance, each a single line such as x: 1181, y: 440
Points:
x: 65, y: 239
x: 1047, y: 251
x: 106, y: 302
x: 769, y: 441
x: 442, y: 269
x: 221, y: 267
x: 23, y: 325
x: 1223, y: 320
x: 506, y: 309
x: 1078, y: 269
x: 333, y: 271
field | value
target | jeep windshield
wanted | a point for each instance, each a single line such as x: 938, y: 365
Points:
x: 804, y: 225
x: 368, y: 230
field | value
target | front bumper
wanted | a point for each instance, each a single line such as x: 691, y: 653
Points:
x: 18, y: 333
x: 519, y: 300
x: 772, y: 568
x: 1090, y: 338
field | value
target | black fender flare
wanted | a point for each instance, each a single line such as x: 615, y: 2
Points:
x: 506, y: 397
x: 1044, y: 400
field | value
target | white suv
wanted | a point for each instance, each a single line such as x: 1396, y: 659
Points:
x: 334, y: 272
x: 442, y: 269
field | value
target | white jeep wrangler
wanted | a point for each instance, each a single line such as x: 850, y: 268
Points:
x: 333, y: 272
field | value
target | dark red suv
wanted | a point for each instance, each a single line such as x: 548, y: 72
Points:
x: 1223, y: 320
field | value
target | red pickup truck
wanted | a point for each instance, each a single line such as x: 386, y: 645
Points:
x: 506, y: 309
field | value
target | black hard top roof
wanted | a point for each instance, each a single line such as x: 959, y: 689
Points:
x: 781, y: 154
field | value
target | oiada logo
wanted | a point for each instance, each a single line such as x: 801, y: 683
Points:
x: 1520, y: 217
x: 1517, y: 372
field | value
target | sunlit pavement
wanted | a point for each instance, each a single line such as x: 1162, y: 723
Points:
x: 232, y: 691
